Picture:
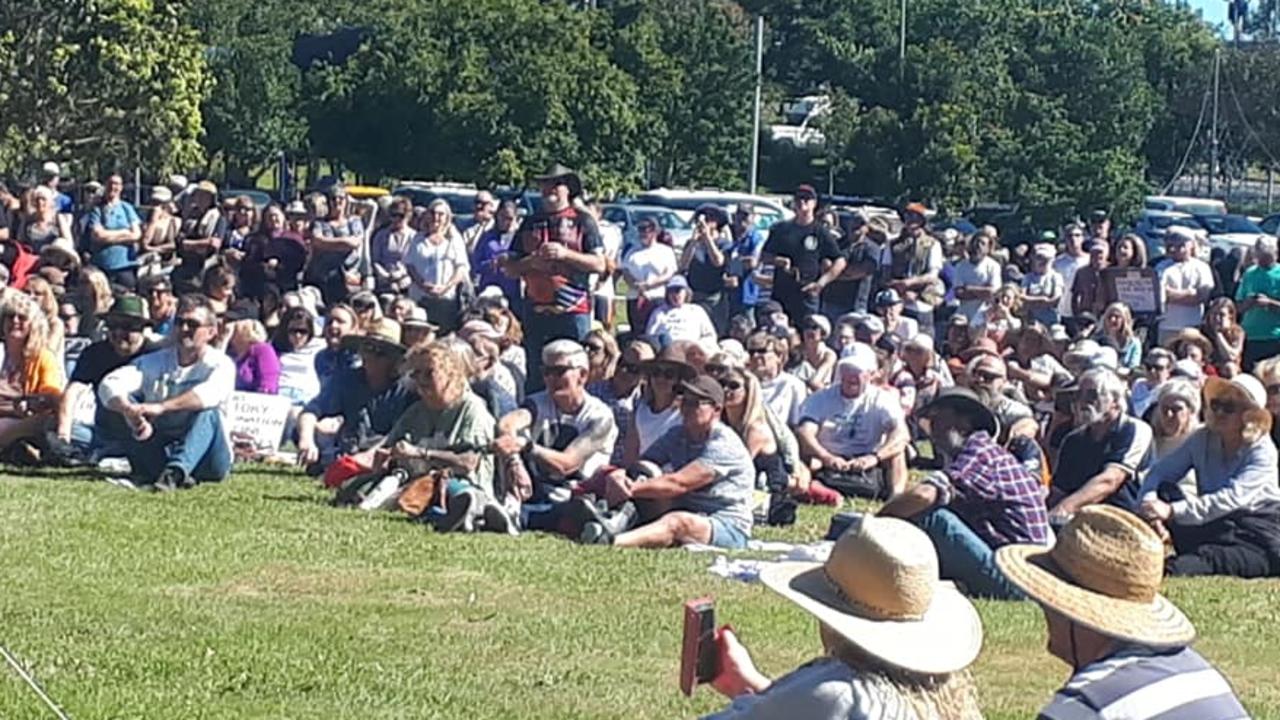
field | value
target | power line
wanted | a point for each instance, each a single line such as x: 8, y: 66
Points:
x: 1236, y: 101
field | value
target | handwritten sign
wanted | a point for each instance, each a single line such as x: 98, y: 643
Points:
x: 258, y: 420
x: 1139, y: 288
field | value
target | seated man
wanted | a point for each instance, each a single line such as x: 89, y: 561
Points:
x: 1232, y: 527
x: 369, y: 398
x: 107, y: 436
x: 981, y: 500
x: 1128, y: 647
x: 703, y: 495
x: 783, y: 392
x: 678, y: 319
x: 854, y: 433
x: 173, y: 400
x: 560, y: 436
x: 1100, y: 460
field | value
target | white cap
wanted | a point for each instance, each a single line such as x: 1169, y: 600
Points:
x: 1188, y: 368
x: 50, y: 169
x: 921, y: 341
x: 858, y: 356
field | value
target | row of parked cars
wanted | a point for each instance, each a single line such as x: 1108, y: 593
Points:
x: 1226, y: 231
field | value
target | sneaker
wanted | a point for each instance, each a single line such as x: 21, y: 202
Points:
x: 461, y: 514
x: 595, y: 533
x: 384, y: 494
x: 171, y: 478
x: 497, y: 519
x: 115, y: 466
x: 579, y: 511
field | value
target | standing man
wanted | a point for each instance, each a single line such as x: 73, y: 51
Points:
x: 173, y: 401
x: 1073, y: 258
x: 862, y: 247
x: 1186, y: 283
x: 1043, y: 288
x: 1127, y: 645
x: 912, y: 264
x: 50, y: 177
x: 114, y: 232
x: 977, y: 277
x: 482, y: 221
x: 1259, y: 298
x: 744, y: 291
x: 1088, y: 294
x: 798, y: 249
x: 556, y: 251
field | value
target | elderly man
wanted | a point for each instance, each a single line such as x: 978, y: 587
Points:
x: 482, y: 221
x: 107, y: 436
x: 368, y: 398
x: 173, y: 402
x: 1128, y: 647
x: 781, y: 391
x: 854, y: 433
x: 1088, y: 292
x: 982, y: 500
x: 1100, y: 460
x: 1186, y: 283
x: 561, y: 436
x: 988, y: 376
x: 703, y: 494
x: 555, y: 251
x: 1259, y: 304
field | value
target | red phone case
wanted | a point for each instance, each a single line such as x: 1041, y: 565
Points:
x: 698, y: 651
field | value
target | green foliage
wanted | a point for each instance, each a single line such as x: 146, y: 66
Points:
x: 106, y: 84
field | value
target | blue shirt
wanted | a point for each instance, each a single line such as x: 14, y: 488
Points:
x: 748, y: 246
x: 119, y: 215
x: 1242, y: 482
x: 366, y: 415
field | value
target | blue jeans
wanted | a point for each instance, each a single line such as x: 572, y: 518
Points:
x: 540, y: 329
x: 965, y: 557
x: 195, y: 443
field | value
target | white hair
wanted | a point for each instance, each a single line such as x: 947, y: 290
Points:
x: 569, y: 351
x: 1266, y: 244
x: 1108, y: 383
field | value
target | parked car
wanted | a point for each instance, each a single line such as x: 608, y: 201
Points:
x: 461, y: 197
x: 685, y: 202
x: 1229, y: 232
x: 628, y: 216
x: 1189, y: 205
x: 1152, y: 225
x: 260, y: 198
x: 1270, y: 224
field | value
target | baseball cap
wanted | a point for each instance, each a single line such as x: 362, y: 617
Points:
x: 704, y: 387
x: 860, y: 357
x: 805, y: 192
x: 888, y: 297
x: 50, y: 169
x: 677, y: 282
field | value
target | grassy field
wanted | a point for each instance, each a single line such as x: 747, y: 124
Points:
x: 256, y: 600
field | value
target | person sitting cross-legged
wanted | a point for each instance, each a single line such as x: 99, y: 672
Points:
x: 173, y: 401
x: 854, y: 433
x: 703, y: 494
x: 983, y: 498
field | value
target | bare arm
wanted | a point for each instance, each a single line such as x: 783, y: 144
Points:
x: 911, y: 503
x: 1099, y: 488
x: 690, y: 477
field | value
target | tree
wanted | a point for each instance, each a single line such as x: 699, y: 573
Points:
x: 116, y: 83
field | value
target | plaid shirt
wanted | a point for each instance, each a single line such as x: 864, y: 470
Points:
x: 995, y: 495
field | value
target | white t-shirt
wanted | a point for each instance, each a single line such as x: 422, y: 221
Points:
x: 906, y: 328
x: 852, y: 427
x: 591, y: 428
x: 652, y: 425
x: 436, y: 264
x: 298, y: 378
x: 1066, y: 266
x: 647, y: 263
x: 611, y: 240
x: 1193, y: 274
x: 687, y: 322
x: 784, y: 395
x: 986, y: 273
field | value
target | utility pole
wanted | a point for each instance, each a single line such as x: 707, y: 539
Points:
x: 902, y: 42
x: 1213, y: 137
x: 755, y: 125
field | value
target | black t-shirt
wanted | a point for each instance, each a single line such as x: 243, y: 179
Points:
x: 96, y: 361
x: 569, y: 292
x: 1127, y: 445
x: 703, y: 276
x: 806, y: 246
x: 6, y: 220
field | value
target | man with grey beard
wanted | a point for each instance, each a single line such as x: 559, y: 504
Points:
x: 982, y: 499
x: 1101, y: 459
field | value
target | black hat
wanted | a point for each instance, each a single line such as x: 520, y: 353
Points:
x: 805, y: 192
x: 704, y: 387
x: 243, y: 309
x: 965, y: 402
x: 713, y: 213
x: 558, y: 173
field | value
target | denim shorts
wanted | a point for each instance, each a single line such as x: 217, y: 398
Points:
x: 726, y: 535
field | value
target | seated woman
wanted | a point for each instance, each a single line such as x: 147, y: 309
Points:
x: 1174, y: 417
x: 257, y: 365
x: 296, y: 347
x: 816, y: 359
x: 1116, y: 330
x: 31, y: 380
x: 602, y: 355
x: 1223, y: 330
x: 658, y: 408
x: 1268, y: 371
x: 1233, y: 527
x: 896, y: 641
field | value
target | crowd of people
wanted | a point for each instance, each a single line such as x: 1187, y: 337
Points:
x: 483, y: 377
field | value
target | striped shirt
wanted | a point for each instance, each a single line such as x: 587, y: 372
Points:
x: 1140, y: 683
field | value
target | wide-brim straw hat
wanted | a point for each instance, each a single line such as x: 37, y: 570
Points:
x: 880, y: 591
x: 1242, y: 388
x: 1104, y: 573
x: 1190, y: 335
x: 382, y: 337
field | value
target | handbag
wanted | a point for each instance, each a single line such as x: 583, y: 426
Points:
x: 422, y: 493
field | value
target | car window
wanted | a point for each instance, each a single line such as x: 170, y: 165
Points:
x: 1270, y: 225
x: 615, y: 215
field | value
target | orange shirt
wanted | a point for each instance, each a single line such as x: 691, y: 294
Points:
x: 42, y: 375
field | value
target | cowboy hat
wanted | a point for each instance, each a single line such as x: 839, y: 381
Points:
x: 673, y: 356
x: 880, y: 591
x: 1245, y: 389
x: 1104, y: 573
x: 382, y: 337
x: 964, y: 401
x: 559, y: 174
x: 1189, y: 335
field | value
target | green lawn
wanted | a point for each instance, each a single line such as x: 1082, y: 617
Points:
x: 256, y: 600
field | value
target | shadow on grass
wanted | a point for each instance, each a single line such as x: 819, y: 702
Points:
x: 319, y: 500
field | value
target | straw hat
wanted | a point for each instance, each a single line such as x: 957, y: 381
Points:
x: 381, y: 337
x: 1190, y: 335
x: 1244, y: 389
x: 1104, y: 573
x: 880, y: 590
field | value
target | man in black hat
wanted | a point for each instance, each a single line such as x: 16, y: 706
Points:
x: 556, y: 250
x: 106, y: 434
x: 703, y: 494
x: 805, y: 257
x: 981, y: 500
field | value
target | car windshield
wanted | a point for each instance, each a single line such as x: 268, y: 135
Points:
x: 665, y: 220
x: 689, y: 204
x: 1219, y: 224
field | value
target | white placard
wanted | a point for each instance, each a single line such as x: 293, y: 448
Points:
x: 1137, y: 289
x: 259, y: 419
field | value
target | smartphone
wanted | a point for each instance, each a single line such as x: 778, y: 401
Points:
x: 698, y: 652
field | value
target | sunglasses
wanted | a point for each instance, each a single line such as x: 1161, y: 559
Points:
x: 1273, y: 389
x: 363, y: 305
x: 628, y: 368
x: 759, y: 350
x: 556, y: 370
x: 1225, y: 407
x: 593, y: 349
x: 1158, y: 367
x: 986, y: 376
x: 398, y: 216
x: 187, y: 324
x: 299, y: 331
x: 731, y: 385
x: 648, y: 228
x: 1087, y: 396
x: 717, y: 369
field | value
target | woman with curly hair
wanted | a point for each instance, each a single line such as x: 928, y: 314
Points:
x: 31, y: 380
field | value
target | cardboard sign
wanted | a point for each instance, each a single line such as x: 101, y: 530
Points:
x: 258, y: 420
x: 1139, y: 288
